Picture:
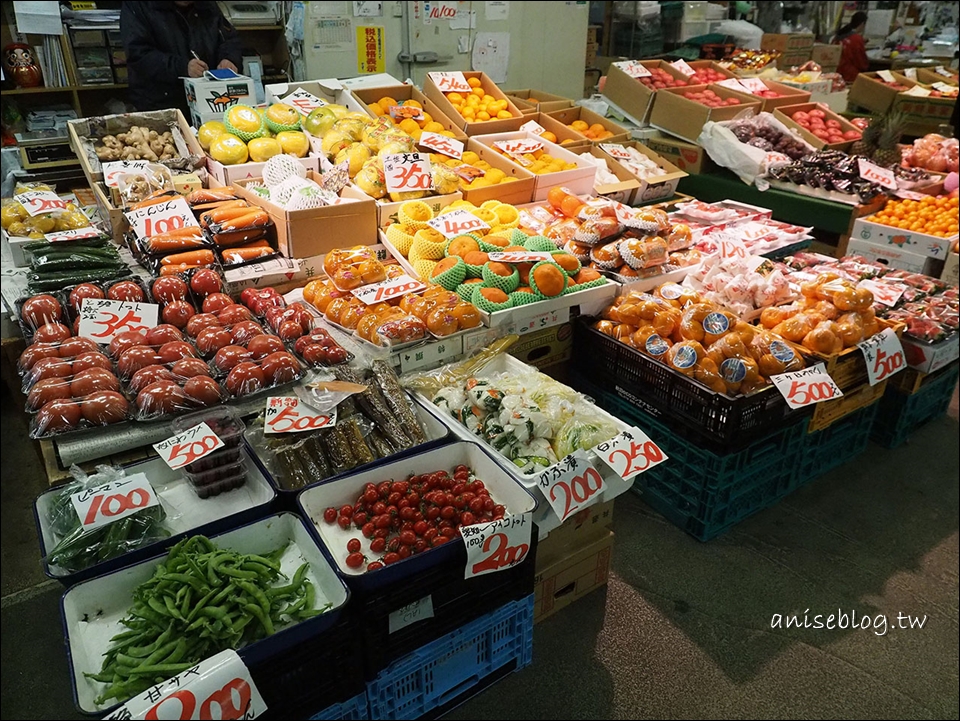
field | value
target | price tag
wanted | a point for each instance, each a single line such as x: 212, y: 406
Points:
x: 532, y: 126
x: 411, y: 613
x: 163, y: 217
x: 496, y: 545
x: 38, y: 202
x: 733, y: 249
x: 457, y: 222
x: 886, y: 292
x: 219, y: 687
x: 388, y: 289
x: 633, y: 68
x: 683, y: 66
x: 807, y: 386
x: 469, y: 172
x: 630, y: 453
x: 304, y: 101
x: 616, y: 151
x: 441, y: 144
x: 102, y: 319
x: 908, y: 194
x: 940, y: 70
x: 113, y: 501
x: 753, y: 85
x: 113, y: 171
x: 286, y: 414
x: 62, y: 236
x: 431, y: 355
x: 875, y: 174
x: 542, y: 320
x: 944, y: 88
x: 517, y: 148
x: 883, y: 354
x: 732, y: 84
x: 450, y: 82
x: 191, y: 445
x: 518, y: 256
x: 886, y: 76
x: 336, y: 178
x: 571, y: 484
x: 406, y: 112
x: 918, y: 91
x: 911, y: 73
x: 407, y: 171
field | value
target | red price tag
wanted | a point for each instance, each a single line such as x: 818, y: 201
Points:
x: 286, y: 414
x: 630, y: 453
x: 219, y: 687
x: 457, y: 222
x: 38, y: 202
x: 807, y: 386
x: 102, y: 319
x: 496, y: 545
x: 113, y: 171
x: 441, y: 144
x: 388, y: 289
x: 883, y: 354
x: 571, y: 484
x: 450, y: 82
x: 189, y: 446
x: 633, y: 68
x: 304, y: 101
x: 616, y: 151
x: 518, y: 256
x: 884, y: 291
x: 113, y: 501
x: 407, y: 171
x: 683, y: 66
x: 161, y: 218
x: 62, y: 236
x: 733, y: 249
x: 875, y: 174
x: 519, y: 147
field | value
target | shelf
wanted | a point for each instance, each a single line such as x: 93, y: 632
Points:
x: 241, y: 28
x: 42, y: 89
x: 105, y: 86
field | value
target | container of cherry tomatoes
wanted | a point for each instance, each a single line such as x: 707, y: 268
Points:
x: 225, y: 468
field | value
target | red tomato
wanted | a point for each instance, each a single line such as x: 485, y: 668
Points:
x: 72, y: 347
x: 162, y: 398
x: 47, y: 390
x: 244, y: 379
x: 92, y: 380
x: 205, y: 281
x: 200, y: 321
x: 244, y: 331
x: 91, y: 359
x: 169, y: 289
x: 280, y: 368
x: 248, y: 294
x: 178, y: 312
x: 212, y: 339
x: 355, y: 560
x: 228, y: 357
x: 831, y: 123
x: 263, y: 345
x: 50, y: 368
x: 105, y: 407
x: 817, y: 113
x: 314, y: 354
x: 41, y: 309
x: 51, y: 333
x: 215, y: 302
x: 290, y: 330
x: 189, y: 368
x: 122, y: 341
x: 800, y: 115
x: 852, y: 135
x: 151, y: 374
x: 234, y: 314
x: 82, y: 292
x: 163, y: 333
x: 126, y: 290
x: 203, y: 390
x: 58, y: 415
x: 135, y: 358
x: 36, y: 351
x: 177, y: 350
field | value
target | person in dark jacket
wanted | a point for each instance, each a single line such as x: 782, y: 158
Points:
x: 166, y: 41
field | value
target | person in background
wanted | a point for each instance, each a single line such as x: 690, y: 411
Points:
x: 853, y: 56
x: 166, y: 41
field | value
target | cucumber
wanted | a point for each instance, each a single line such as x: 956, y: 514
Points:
x: 38, y: 283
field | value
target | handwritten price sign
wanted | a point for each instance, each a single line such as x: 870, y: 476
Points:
x: 161, y: 218
x: 450, y: 82
x: 732, y: 84
x: 875, y: 174
x: 518, y: 256
x: 189, y: 446
x: 532, y: 126
x: 683, y: 67
x: 883, y: 354
x: 286, y: 414
x: 517, y: 148
x: 753, y: 85
x: 388, y: 289
x: 457, y: 222
x: 630, y: 453
x: 571, y: 484
x: 113, y: 171
x: 219, y: 687
x: 304, y: 101
x: 63, y: 236
x: 450, y: 147
x: 633, y: 68
x: 733, y: 249
x: 886, y: 292
x: 38, y: 202
x: 102, y: 319
x: 807, y: 386
x: 113, y: 501
x: 407, y: 171
x: 496, y: 545
x: 615, y: 151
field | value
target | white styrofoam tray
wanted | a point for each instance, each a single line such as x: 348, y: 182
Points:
x: 184, y: 508
x: 92, y: 610
x: 344, y: 491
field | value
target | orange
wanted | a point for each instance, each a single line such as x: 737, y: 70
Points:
x: 597, y: 128
x: 494, y: 295
x: 547, y: 135
x: 579, y: 125
x: 473, y: 82
x: 566, y: 261
x: 466, y: 314
x: 497, y: 240
x: 476, y: 257
x: 550, y: 280
x: 444, y: 265
x: 500, y: 269
x: 571, y: 205
x: 463, y: 245
x: 586, y: 275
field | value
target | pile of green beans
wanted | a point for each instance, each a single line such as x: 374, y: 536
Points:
x: 201, y: 600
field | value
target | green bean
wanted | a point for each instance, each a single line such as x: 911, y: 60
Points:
x: 214, y: 612
x: 184, y: 578
x: 263, y: 618
x: 171, y: 607
x: 200, y: 604
x: 266, y: 561
x: 185, y: 601
x: 237, y: 573
x: 257, y: 595
x: 166, y: 669
x: 158, y: 606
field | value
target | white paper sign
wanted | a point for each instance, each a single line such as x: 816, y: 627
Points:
x: 886, y: 292
x: 911, y: 73
x: 112, y: 171
x: 733, y: 249
x: 753, y: 85
x: 63, y: 236
x: 541, y: 320
x: 286, y: 414
x: 616, y: 151
x: 450, y: 82
x: 532, y: 126
x: 219, y: 687
x: 917, y: 91
x: 940, y: 70
x: 517, y: 148
x: 944, y: 88
x: 191, y: 445
x: 457, y: 222
x: 441, y: 144
x: 304, y: 101
x: 407, y: 172
x: 886, y: 76
x: 518, y: 256
x: 883, y: 355
x: 38, y: 202
x: 163, y: 217
x: 683, y: 67
x: 806, y: 386
x: 431, y: 355
x: 630, y: 453
x: 102, y: 319
x: 876, y: 174
x: 112, y: 501
x: 388, y: 289
x: 633, y: 68
x: 732, y: 84
x: 496, y: 545
x: 410, y: 614
x: 571, y: 484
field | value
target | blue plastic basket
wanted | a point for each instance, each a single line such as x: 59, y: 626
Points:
x: 841, y: 441
x: 354, y: 708
x: 446, y: 672
x: 900, y: 414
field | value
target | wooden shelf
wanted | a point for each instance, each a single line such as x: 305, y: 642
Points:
x: 105, y: 86
x: 29, y: 91
x: 241, y: 28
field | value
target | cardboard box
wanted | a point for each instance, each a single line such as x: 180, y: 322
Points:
x: 387, y: 210
x: 870, y: 92
x: 490, y: 88
x: 908, y: 240
x: 789, y: 96
x: 367, y: 96
x: 794, y: 48
x: 929, y: 76
x: 826, y: 56
x: 571, y: 577
x: 624, y: 191
x: 315, y: 231
x: 330, y: 90
x: 672, y: 113
x: 230, y: 174
x: 208, y: 96
x: 688, y: 157
x: 930, y: 358
x: 516, y: 192
x: 119, y: 224
x: 784, y: 112
x: 890, y: 255
x: 660, y: 187
x: 566, y: 136
x: 590, y: 57
x: 579, y: 531
x: 545, y: 102
x: 591, y: 118
x: 814, y: 87
x: 951, y: 269
x: 630, y: 95
x: 714, y: 65
x: 544, y: 348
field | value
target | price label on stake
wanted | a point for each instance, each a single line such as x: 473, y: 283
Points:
x: 807, y: 386
x: 189, y: 446
x: 407, y: 171
x: 219, y: 687
x: 571, y: 484
x: 753, y: 85
x: 518, y: 256
x: 457, y: 222
x: 944, y: 88
x: 286, y: 414
x: 441, y: 144
x: 633, y: 68
x: 883, y: 354
x: 102, y: 319
x: 911, y: 73
x: 630, y: 453
x: 450, y: 82
x: 918, y: 91
x: 388, y: 289
x: 304, y: 101
x: 161, y: 218
x: 113, y: 171
x: 63, y: 236
x: 940, y: 70
x: 885, y: 292
x: 38, y: 202
x: 496, y: 545
x: 875, y: 174
x: 113, y: 501
x: 683, y: 66
x: 532, y: 126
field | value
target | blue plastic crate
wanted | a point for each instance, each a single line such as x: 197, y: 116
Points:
x: 900, y: 414
x: 354, y: 708
x: 841, y: 441
x: 447, y: 671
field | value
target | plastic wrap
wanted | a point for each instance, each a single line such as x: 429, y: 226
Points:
x: 224, y: 469
x: 19, y: 223
x: 351, y: 268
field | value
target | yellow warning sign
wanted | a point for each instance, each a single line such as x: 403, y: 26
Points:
x: 370, y: 49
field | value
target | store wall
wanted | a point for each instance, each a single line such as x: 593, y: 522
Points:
x: 547, y: 40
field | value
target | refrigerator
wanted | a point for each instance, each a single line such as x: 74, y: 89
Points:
x: 538, y: 45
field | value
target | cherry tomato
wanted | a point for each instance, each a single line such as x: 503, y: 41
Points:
x: 355, y: 560
x: 126, y: 290
x: 368, y: 530
x: 228, y: 357
x: 135, y: 358
x: 346, y: 510
x: 383, y: 521
x: 404, y: 552
x: 91, y: 359
x: 42, y: 392
x: 430, y: 534
x: 145, y: 376
x: 189, y: 368
x: 205, y: 282
x: 216, y: 302
x: 200, y: 321
x: 420, y: 546
x: 41, y: 309
x: 353, y: 545
x: 330, y: 515
x: 177, y: 350
x: 378, y: 545
x: 374, y: 566
x: 448, y: 532
x: 260, y: 346
x: 439, y: 541
x: 467, y: 518
x: 408, y: 538
x: 370, y: 495
x: 448, y: 512
x: 203, y: 390
x: 169, y: 289
x: 381, y: 533
x: 212, y: 338
x: 163, y: 333
x: 390, y: 559
x: 52, y: 333
x: 343, y: 522
x: 58, y: 415
x: 280, y: 368
x: 105, y: 407
x: 234, y: 314
x: 359, y: 518
x: 246, y: 378
x: 177, y: 312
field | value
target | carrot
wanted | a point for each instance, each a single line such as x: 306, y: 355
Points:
x: 195, y: 257
x: 236, y: 237
x: 160, y: 244
x: 181, y: 268
x: 245, y: 253
x: 258, y: 218
x: 230, y: 209
x: 158, y: 196
x: 209, y: 195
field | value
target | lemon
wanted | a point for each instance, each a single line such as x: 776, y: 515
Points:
x: 294, y: 142
x: 262, y: 149
x: 209, y: 132
x: 229, y: 150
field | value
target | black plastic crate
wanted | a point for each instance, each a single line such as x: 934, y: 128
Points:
x: 717, y: 421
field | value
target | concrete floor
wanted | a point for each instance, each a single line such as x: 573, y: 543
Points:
x: 683, y: 629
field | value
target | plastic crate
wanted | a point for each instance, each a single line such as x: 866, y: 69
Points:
x: 354, y: 708
x: 725, y: 424
x: 444, y: 673
x: 829, y: 412
x: 899, y: 414
x: 833, y: 446
x: 848, y: 367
